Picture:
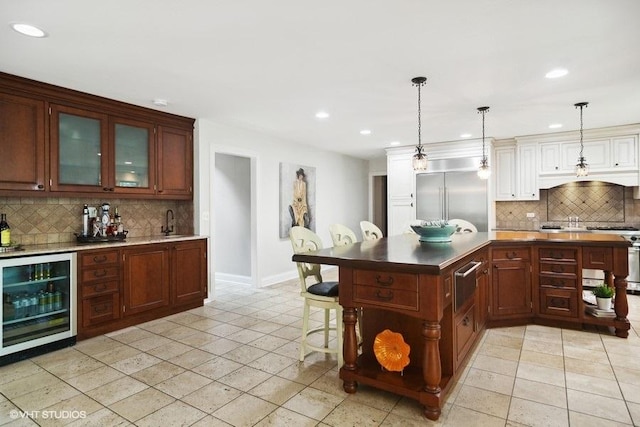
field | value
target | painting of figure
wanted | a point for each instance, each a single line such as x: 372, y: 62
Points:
x: 297, y: 197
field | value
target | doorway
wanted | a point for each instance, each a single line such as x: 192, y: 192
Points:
x: 379, y: 202
x: 233, y: 209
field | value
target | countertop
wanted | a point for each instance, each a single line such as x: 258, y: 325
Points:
x: 52, y: 248
x: 407, y: 252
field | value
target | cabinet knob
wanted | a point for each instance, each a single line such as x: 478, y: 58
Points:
x: 105, y: 188
x: 556, y: 168
x: 40, y: 186
x: 616, y: 164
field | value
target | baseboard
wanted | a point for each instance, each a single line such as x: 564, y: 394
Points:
x: 233, y: 279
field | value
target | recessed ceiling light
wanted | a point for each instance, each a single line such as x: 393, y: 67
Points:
x: 556, y: 72
x: 128, y: 163
x: 465, y: 135
x: 394, y: 143
x: 160, y: 102
x: 322, y: 115
x: 365, y: 132
x: 28, y: 30
x: 555, y: 126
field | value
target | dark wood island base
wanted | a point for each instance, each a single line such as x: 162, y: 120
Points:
x: 442, y: 296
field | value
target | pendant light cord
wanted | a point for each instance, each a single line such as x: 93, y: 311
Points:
x: 419, y: 116
x: 581, y: 144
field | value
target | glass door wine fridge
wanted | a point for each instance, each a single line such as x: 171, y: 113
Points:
x: 38, y: 305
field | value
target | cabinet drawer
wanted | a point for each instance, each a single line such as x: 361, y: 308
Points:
x: 558, y: 282
x: 558, y: 254
x: 99, y: 288
x: 465, y: 329
x: 559, y: 302
x: 558, y: 267
x: 99, y: 258
x: 112, y: 272
x: 100, y: 309
x: 597, y: 258
x: 396, y: 281
x: 510, y: 253
x: 386, y: 297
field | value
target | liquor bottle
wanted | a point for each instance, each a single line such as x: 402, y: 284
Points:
x: 85, y: 220
x: 5, y: 231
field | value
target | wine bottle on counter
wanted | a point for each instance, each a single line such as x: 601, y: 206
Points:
x: 85, y: 220
x: 5, y: 231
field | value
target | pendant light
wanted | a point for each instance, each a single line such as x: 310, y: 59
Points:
x: 483, y: 172
x: 582, y: 168
x: 420, y: 158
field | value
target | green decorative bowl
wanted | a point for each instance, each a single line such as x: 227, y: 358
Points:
x: 435, y: 233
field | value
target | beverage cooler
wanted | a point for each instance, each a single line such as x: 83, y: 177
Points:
x: 38, y: 305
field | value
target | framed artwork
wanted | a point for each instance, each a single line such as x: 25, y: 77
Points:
x: 297, y: 197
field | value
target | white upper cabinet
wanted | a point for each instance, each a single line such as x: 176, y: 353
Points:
x: 516, y: 176
x: 624, y: 152
x: 401, y: 188
x: 596, y: 153
x: 505, y: 173
x: 527, y: 178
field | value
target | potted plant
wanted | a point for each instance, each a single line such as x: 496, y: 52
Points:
x: 603, y: 294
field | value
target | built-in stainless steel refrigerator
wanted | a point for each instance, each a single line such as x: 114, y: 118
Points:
x: 447, y: 193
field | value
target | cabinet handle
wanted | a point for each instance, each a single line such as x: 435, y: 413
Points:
x: 100, y: 274
x: 99, y: 259
x: 99, y: 288
x: 387, y: 297
x: 511, y: 255
x: 105, y: 188
x: 381, y: 282
x: 40, y: 186
x: 100, y: 308
x: 465, y: 321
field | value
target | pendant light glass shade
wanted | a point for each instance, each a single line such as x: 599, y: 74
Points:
x: 484, y: 172
x: 582, y: 168
x: 419, y: 158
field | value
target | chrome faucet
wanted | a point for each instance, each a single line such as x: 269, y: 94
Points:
x: 168, y: 229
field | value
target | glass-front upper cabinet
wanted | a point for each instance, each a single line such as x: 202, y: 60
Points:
x: 79, y: 150
x: 133, y: 153
x: 93, y: 152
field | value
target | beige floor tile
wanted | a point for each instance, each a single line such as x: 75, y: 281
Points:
x: 289, y: 333
x: 28, y: 384
x: 96, y: 345
x: 103, y: 417
x: 634, y: 410
x: 185, y: 318
x: 157, y: 373
x: 589, y: 384
x: 246, y: 410
x: 192, y: 358
x: 265, y: 327
x: 490, y: 381
x: 583, y: 420
x: 606, y: 407
x: 245, y: 354
x: 245, y: 378
x: 129, y: 335
x: 220, y: 346
x: 500, y: 352
x: 504, y: 341
x: 224, y: 329
x: 460, y: 416
x: 313, y: 403
x: 284, y: 417
x: 330, y: 382
x: 487, y: 402
x: 212, y: 397
x: 495, y: 364
x: 116, y: 390
x: 211, y: 421
x: 593, y: 368
x: 540, y: 392
x: 205, y: 323
x: 369, y: 396
x: 217, y: 368
x: 179, y: 332
x: 276, y: 390
x: 395, y: 420
x: 303, y: 374
x: 537, y: 414
x: 272, y: 363
x: 45, y: 396
x: 169, y: 350
x: 136, y: 363
x: 198, y: 339
x: 270, y: 342
x: 584, y: 353
x: 53, y: 358
x: 631, y: 392
x: 95, y: 378
x: 625, y: 375
x: 69, y: 410
x: 627, y: 360
x: 541, y: 374
x: 183, y: 384
x: 354, y: 413
x: 538, y: 346
x: 141, y: 404
x: 245, y: 336
x: 158, y: 326
x: 542, y: 359
x: 147, y: 344
x: 175, y: 414
x: 116, y: 353
x: 18, y: 370
x: 75, y: 366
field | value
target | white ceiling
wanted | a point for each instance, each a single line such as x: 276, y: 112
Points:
x: 271, y: 65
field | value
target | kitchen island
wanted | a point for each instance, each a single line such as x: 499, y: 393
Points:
x: 422, y: 291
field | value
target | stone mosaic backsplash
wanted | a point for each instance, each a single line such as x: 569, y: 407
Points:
x: 595, y: 203
x: 40, y: 220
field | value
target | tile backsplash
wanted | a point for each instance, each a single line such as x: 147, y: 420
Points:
x: 37, y: 220
x: 595, y: 203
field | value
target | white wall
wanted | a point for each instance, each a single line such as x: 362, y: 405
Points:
x: 232, y: 216
x: 341, y: 191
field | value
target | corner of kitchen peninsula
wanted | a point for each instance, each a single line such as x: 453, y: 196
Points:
x: 442, y: 296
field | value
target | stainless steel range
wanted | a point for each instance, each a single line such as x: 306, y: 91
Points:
x: 632, y: 234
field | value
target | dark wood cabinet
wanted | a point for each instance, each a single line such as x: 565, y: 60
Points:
x: 558, y: 275
x: 131, y: 284
x: 510, y: 282
x: 175, y: 162
x: 482, y: 292
x: 146, y: 278
x: 188, y: 272
x: 22, y: 143
x: 58, y: 141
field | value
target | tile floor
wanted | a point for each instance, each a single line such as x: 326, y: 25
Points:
x: 233, y: 362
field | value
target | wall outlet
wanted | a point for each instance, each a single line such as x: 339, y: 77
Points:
x: 531, y: 214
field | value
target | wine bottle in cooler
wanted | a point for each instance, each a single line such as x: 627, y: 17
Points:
x: 5, y: 231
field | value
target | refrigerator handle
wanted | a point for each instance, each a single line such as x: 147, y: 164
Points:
x: 445, y: 206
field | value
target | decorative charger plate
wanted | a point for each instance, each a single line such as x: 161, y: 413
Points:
x: 391, y: 351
